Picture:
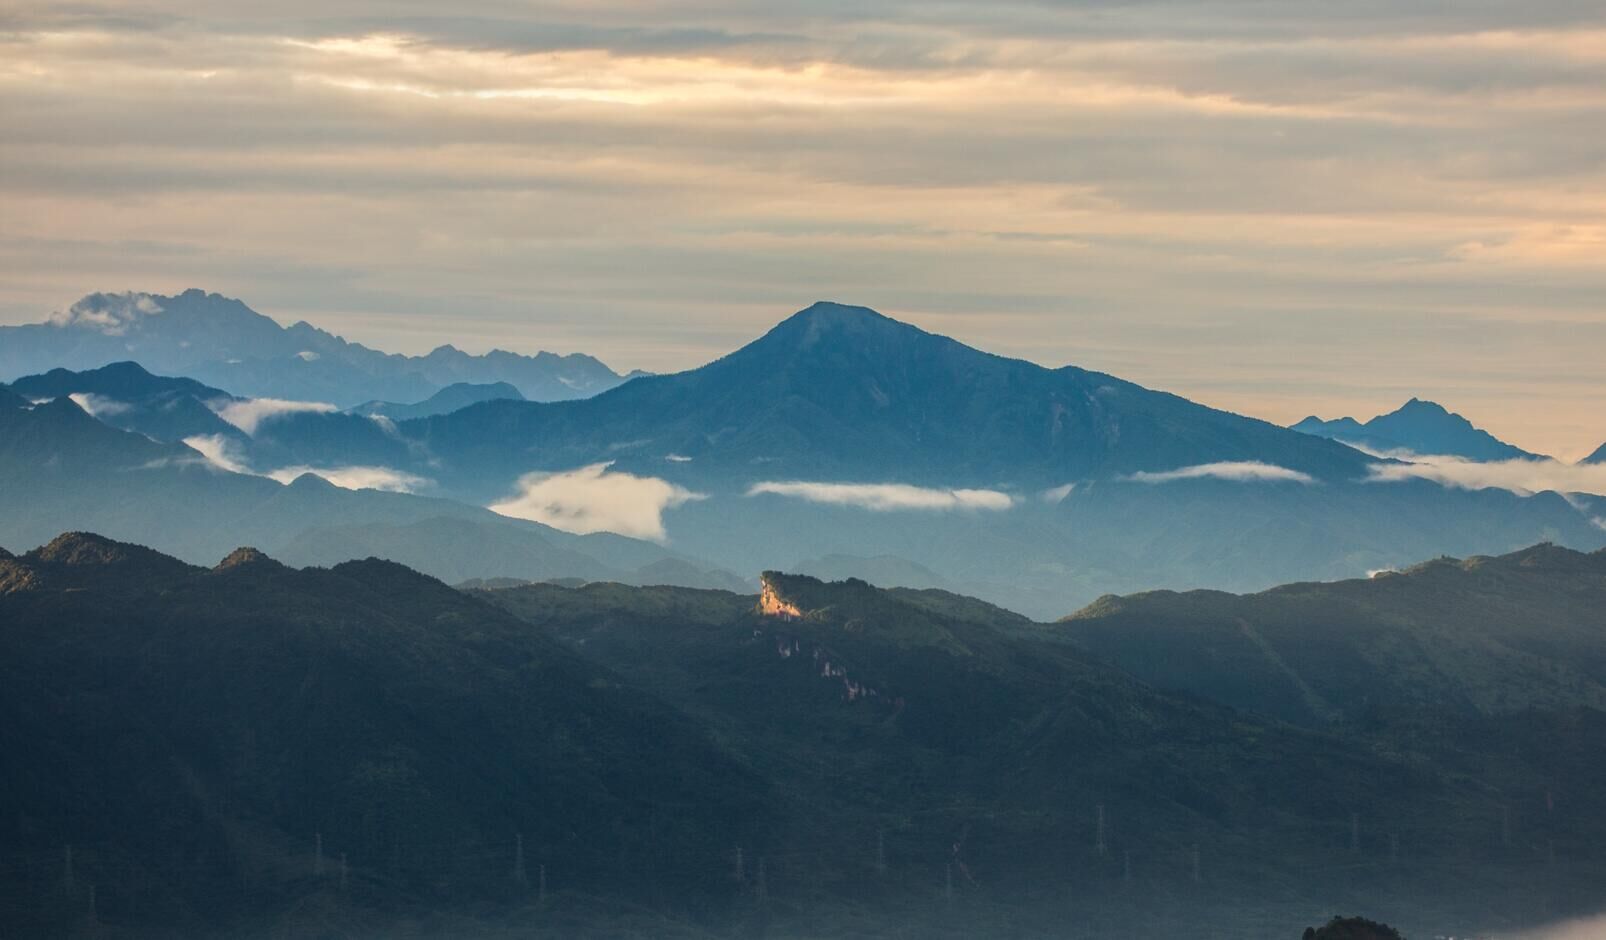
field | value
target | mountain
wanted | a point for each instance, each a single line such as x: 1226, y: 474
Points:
x: 1483, y: 636
x: 445, y: 401
x: 843, y: 432
x: 65, y: 469
x: 840, y: 392
x: 249, y: 747
x: 126, y: 396
x: 913, y: 725
x: 1420, y: 427
x: 222, y: 342
x: 1599, y: 456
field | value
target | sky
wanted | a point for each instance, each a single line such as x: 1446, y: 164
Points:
x: 1280, y: 207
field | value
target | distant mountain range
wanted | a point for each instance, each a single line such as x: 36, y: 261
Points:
x: 222, y: 342
x: 253, y: 750
x: 445, y: 401
x: 878, y: 449
x: 63, y: 467
x: 1418, y: 427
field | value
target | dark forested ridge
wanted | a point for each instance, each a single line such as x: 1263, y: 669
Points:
x: 254, y: 749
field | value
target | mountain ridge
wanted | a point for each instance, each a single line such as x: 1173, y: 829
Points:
x: 222, y: 342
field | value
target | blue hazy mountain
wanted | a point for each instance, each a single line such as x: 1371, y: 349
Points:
x: 1092, y: 484
x: 220, y: 341
x: 65, y: 469
x: 845, y: 393
x: 447, y: 400
x: 1420, y: 427
x: 125, y: 395
x: 1599, y: 456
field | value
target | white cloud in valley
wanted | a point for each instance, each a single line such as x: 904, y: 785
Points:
x: 251, y: 413
x: 596, y: 498
x: 886, y: 497
x: 355, y: 477
x: 1237, y: 471
x: 1518, y: 476
x: 223, y: 453
x: 219, y: 451
x: 99, y: 405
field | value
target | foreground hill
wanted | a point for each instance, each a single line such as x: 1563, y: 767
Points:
x: 254, y: 750
x: 1483, y: 636
x: 912, y: 713
x: 214, y: 746
x: 222, y: 342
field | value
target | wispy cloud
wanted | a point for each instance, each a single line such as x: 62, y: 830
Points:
x: 99, y: 405
x: 1057, y: 494
x: 597, y: 499
x: 219, y: 451
x: 1239, y: 471
x: 355, y: 477
x: 250, y: 414
x: 224, y: 454
x: 1519, y: 476
x: 885, y: 497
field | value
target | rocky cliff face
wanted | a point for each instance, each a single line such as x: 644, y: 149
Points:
x: 772, y: 604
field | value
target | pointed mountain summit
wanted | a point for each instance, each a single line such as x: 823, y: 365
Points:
x: 1419, y: 427
x: 1599, y: 456
x: 842, y: 392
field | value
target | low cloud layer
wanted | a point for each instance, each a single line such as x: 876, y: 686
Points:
x: 1241, y: 471
x: 1524, y: 477
x: 597, y: 499
x: 98, y: 405
x: 251, y: 413
x: 355, y: 477
x: 224, y: 454
x: 886, y: 497
x: 219, y: 451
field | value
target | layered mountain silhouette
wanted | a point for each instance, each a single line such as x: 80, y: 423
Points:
x: 1418, y: 427
x: 1599, y: 456
x: 64, y: 468
x: 222, y: 342
x: 842, y: 434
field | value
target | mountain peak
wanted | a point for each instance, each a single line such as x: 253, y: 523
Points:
x: 243, y: 556
x: 85, y: 548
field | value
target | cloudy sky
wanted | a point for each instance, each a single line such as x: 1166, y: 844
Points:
x: 1276, y: 206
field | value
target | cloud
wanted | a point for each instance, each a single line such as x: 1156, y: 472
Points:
x: 111, y: 314
x: 1240, y: 471
x: 1524, y: 477
x: 249, y: 414
x: 987, y: 170
x: 224, y: 454
x: 596, y: 499
x: 886, y: 497
x: 98, y: 405
x: 355, y: 477
x: 1057, y: 494
x: 219, y: 451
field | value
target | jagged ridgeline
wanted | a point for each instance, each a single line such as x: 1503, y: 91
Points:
x: 252, y: 749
